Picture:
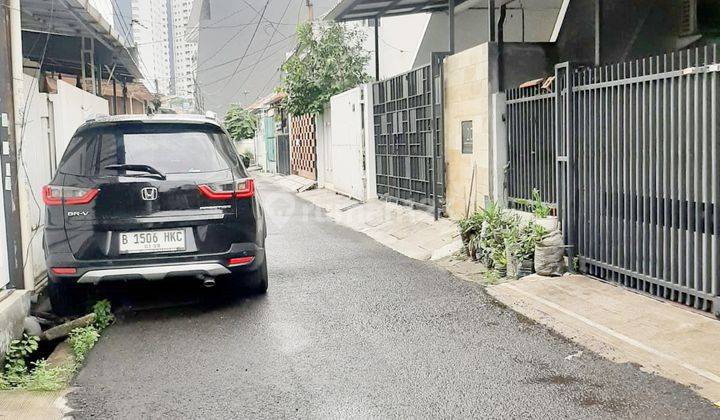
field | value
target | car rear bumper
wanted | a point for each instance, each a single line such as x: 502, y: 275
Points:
x: 155, y: 268
x: 157, y: 272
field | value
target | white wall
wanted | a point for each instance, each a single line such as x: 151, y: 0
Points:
x: 50, y: 122
x: 471, y: 28
x: 73, y: 106
x: 36, y: 170
x: 398, y: 42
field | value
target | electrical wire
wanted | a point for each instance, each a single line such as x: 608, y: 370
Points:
x: 125, y: 29
x: 222, y: 47
x: 249, y: 73
x: 23, y: 163
x: 252, y: 38
x: 280, y: 41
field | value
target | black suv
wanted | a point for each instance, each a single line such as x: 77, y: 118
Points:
x: 151, y: 197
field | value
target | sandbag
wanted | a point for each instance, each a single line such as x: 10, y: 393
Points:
x: 549, y: 254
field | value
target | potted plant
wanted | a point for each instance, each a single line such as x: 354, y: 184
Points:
x: 542, y: 212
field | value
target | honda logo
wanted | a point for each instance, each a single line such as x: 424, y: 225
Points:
x: 149, y: 193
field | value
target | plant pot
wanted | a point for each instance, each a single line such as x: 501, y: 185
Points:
x: 550, y: 223
x: 513, y: 266
x: 526, y: 268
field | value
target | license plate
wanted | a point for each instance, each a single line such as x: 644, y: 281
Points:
x: 152, y: 241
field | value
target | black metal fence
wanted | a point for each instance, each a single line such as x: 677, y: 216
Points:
x: 530, y: 119
x: 637, y: 170
x: 403, y: 120
x: 283, y: 153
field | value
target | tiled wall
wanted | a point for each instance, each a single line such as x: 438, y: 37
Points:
x: 467, y: 99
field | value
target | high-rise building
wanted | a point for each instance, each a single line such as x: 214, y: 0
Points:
x: 166, y: 58
x: 152, y: 37
x: 183, y: 49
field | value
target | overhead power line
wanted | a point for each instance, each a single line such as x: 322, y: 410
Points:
x: 287, y: 6
x: 242, y: 58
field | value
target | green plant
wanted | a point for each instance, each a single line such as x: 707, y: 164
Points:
x: 540, y: 209
x: 330, y: 59
x: 103, y: 314
x: 46, y: 378
x: 81, y: 340
x: 240, y: 123
x: 16, y: 359
x: 492, y: 276
x: 493, y: 235
x: 247, y: 157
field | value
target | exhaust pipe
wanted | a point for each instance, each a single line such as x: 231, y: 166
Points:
x: 207, y: 281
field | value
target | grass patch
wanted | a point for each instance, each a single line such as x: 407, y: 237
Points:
x: 22, y: 371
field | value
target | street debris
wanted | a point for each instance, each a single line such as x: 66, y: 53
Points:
x: 63, y: 330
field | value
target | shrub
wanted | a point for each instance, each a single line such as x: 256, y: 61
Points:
x: 82, y: 340
x: 103, y: 314
x: 489, y: 234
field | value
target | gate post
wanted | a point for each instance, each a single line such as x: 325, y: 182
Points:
x: 566, y: 147
x: 438, y: 131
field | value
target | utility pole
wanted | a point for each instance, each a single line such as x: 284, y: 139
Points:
x: 11, y: 246
x: 598, y: 31
x: 377, y: 49
x: 309, y: 5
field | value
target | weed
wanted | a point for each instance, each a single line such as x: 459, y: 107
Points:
x: 18, y: 352
x: 540, y: 209
x: 82, y: 340
x: 46, y: 378
x: 492, y: 276
x: 103, y: 315
x: 42, y: 376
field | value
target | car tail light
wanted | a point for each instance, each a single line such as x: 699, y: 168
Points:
x: 245, y: 188
x: 54, y: 195
x: 240, y: 261
x: 64, y: 270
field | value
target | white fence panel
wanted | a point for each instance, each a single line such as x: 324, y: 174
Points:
x: 347, y: 150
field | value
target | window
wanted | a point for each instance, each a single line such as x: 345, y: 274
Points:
x: 169, y: 149
x: 467, y: 136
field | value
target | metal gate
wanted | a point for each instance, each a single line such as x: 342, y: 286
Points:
x: 638, y: 181
x: 407, y: 114
x: 303, y: 161
x: 530, y: 121
x: 283, y: 153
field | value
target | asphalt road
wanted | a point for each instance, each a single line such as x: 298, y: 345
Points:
x: 350, y: 328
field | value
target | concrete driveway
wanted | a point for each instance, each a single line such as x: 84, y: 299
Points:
x: 350, y: 328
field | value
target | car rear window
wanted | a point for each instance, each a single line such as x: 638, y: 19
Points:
x: 170, y: 149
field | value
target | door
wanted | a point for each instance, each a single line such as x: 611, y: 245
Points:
x: 269, y: 137
x: 327, y: 148
x: 347, y: 141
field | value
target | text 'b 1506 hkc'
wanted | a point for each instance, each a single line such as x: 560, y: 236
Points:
x: 147, y: 198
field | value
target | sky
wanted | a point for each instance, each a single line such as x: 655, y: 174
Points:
x: 242, y: 46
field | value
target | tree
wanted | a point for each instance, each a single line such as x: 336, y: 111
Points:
x: 240, y: 123
x: 329, y: 60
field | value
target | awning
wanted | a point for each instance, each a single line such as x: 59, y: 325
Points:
x: 347, y: 10
x: 64, y: 19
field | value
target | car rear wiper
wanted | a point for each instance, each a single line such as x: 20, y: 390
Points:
x: 139, y: 168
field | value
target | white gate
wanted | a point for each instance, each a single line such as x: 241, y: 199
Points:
x: 347, y: 154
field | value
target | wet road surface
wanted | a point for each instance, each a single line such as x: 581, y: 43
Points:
x: 350, y: 328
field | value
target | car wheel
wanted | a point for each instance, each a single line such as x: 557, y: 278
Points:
x: 258, y: 283
x: 66, y: 298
